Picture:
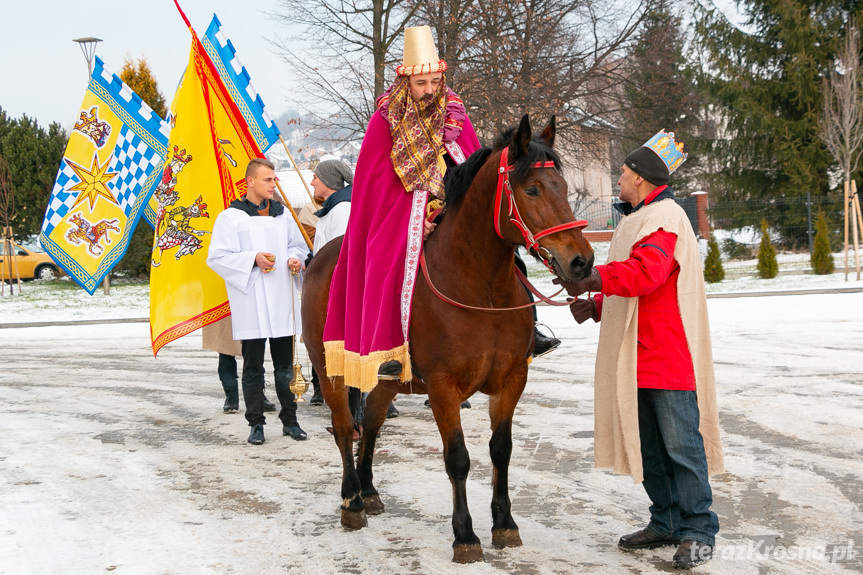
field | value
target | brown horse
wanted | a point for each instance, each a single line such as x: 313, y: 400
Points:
x: 457, y: 351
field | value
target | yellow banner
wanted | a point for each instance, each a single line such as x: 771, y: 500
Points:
x: 111, y: 165
x: 208, y: 151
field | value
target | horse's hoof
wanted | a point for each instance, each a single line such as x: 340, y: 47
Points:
x: 373, y: 504
x: 501, y: 538
x: 462, y: 553
x: 353, y: 520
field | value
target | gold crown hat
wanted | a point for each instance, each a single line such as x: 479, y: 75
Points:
x: 420, y: 53
x: 657, y: 158
x: 669, y: 151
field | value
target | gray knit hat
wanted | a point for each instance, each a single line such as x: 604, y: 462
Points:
x: 334, y: 174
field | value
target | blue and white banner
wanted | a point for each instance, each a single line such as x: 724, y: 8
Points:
x: 111, y: 166
x: 221, y: 51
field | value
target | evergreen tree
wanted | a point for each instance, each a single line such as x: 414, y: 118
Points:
x: 764, y: 83
x: 822, y: 255
x: 660, y: 94
x: 767, y: 266
x: 713, y: 270
x: 137, y: 75
x: 33, y: 154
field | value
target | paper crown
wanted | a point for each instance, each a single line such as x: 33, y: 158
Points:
x: 669, y: 152
x: 420, y: 55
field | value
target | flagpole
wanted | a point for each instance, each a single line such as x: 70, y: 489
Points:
x: 285, y: 201
x: 291, y: 158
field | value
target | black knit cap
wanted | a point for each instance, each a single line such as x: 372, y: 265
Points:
x: 648, y: 165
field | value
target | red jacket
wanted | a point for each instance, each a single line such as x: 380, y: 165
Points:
x: 650, y: 274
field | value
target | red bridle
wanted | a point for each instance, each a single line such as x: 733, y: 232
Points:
x: 531, y: 241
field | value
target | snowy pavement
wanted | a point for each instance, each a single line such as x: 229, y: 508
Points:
x: 112, y: 461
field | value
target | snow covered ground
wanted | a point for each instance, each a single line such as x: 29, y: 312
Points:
x: 113, y: 461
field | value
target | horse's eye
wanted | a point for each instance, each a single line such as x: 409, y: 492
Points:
x: 532, y: 191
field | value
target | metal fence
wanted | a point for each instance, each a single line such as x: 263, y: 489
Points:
x: 737, y: 228
x: 790, y: 223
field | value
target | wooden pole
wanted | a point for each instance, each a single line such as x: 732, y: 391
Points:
x: 858, y: 224
x: 285, y: 201
x: 7, y: 256
x: 845, y: 199
x: 302, y: 179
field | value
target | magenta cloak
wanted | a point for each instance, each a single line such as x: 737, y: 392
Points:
x: 368, y: 315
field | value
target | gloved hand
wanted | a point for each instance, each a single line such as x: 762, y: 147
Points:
x: 584, y: 309
x: 592, y: 282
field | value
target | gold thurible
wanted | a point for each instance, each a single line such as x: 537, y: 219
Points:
x: 299, y: 385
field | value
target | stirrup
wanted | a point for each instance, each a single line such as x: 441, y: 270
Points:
x: 554, y: 341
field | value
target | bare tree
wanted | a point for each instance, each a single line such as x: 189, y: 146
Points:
x: 7, y: 212
x: 545, y: 57
x: 349, y: 47
x: 505, y: 57
x: 842, y: 128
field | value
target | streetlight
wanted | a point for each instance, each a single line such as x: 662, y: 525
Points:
x: 88, y: 47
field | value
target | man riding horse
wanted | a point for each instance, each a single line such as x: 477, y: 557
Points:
x: 419, y: 131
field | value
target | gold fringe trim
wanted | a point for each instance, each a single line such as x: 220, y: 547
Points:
x: 334, y: 357
x: 362, y: 371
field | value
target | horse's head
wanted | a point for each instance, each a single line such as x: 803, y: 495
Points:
x: 539, y: 217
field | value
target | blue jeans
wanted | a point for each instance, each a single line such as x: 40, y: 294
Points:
x: 675, y: 466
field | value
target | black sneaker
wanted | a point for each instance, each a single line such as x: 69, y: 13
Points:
x: 317, y: 398
x: 232, y: 405
x: 256, y: 437
x: 392, y: 411
x: 543, y: 344
x: 268, y: 405
x: 294, y: 432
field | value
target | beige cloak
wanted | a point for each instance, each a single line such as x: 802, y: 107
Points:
x: 616, y: 440
x: 219, y: 337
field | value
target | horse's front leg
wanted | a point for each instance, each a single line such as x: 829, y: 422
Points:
x: 504, y: 531
x: 444, y: 400
x: 336, y: 397
x: 375, y: 415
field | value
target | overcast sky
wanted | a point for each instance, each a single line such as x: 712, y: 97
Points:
x: 43, y: 73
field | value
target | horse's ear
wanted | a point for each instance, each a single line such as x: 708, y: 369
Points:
x: 521, y: 138
x: 548, y: 132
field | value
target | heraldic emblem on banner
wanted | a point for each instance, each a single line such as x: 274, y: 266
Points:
x: 110, y: 168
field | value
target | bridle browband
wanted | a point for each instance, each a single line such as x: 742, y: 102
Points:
x: 531, y: 241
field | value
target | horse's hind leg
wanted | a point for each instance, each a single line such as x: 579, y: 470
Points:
x: 336, y: 397
x: 375, y: 415
x: 445, y: 401
x: 504, y: 531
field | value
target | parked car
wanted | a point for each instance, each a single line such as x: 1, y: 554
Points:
x: 29, y: 261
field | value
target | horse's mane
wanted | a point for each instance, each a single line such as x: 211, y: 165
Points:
x: 462, y: 175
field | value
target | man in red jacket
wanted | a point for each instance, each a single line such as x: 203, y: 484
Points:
x: 655, y: 397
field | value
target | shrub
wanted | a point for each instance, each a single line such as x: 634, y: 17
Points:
x: 713, y: 271
x: 822, y: 255
x: 767, y: 266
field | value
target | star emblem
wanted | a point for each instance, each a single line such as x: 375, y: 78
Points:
x: 93, y: 182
